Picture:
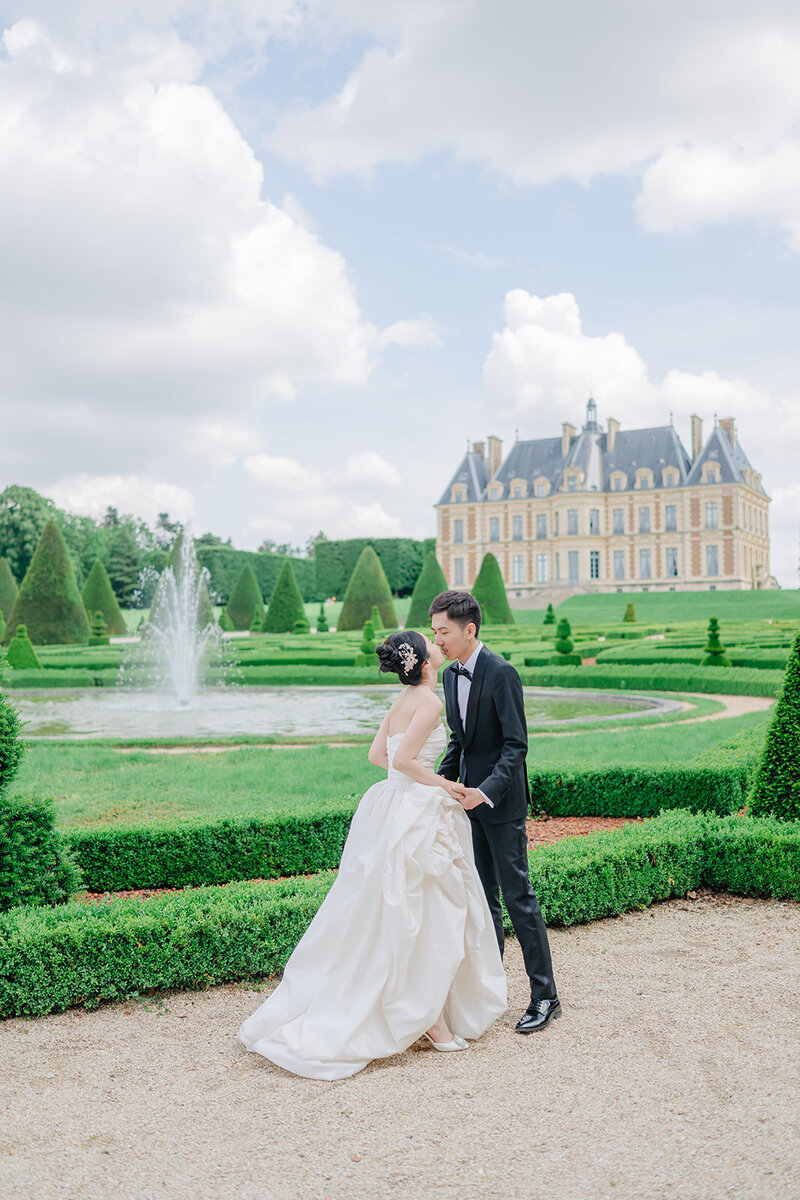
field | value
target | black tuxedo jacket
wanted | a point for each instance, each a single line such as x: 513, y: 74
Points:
x: 489, y: 751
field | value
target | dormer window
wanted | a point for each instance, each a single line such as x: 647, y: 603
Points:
x: 644, y: 478
x: 670, y: 477
x: 711, y: 472
x: 495, y: 491
x: 542, y: 486
x: 458, y: 493
x: 619, y: 481
x: 518, y: 489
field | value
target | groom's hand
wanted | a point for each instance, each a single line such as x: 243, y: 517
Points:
x: 470, y: 797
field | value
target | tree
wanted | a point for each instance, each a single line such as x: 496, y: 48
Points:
x: 8, y: 588
x: 630, y: 613
x: 48, y: 601
x: 490, y: 592
x: 322, y: 620
x: 21, y: 654
x: 368, y: 585
x: 286, y: 603
x: 246, y: 604
x: 98, y: 596
x: 430, y: 582
x: 714, y: 649
x: 549, y: 616
x: 23, y: 516
x: 124, y: 562
x: 776, y: 789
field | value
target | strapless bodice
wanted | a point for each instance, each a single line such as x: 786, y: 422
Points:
x: 428, y: 755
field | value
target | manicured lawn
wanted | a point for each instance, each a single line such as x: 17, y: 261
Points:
x: 668, y: 607
x: 97, y: 785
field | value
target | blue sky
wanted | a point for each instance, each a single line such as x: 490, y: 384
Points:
x: 275, y: 263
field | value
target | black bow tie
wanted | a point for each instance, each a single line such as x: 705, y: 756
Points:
x: 459, y: 670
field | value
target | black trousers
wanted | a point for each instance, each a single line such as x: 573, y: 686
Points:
x: 501, y: 856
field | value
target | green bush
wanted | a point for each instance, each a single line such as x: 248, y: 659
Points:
x: 34, y: 866
x: 11, y: 747
x: 715, y: 655
x: 301, y: 625
x: 224, y: 566
x: 98, y: 595
x: 246, y: 604
x: 87, y: 953
x: 286, y: 603
x: 43, y: 677
x: 322, y: 620
x: 21, y: 654
x: 430, y: 582
x: 490, y: 592
x: 225, y: 623
x: 630, y: 612
x: 636, y: 791
x: 48, y: 601
x: 368, y: 586
x: 549, y: 616
x: 777, y: 785
x: 367, y: 646
x: 98, y: 634
x: 664, y: 678
x: 118, y: 858
x: 8, y: 589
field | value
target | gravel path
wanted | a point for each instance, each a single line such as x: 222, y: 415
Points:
x: 672, y: 1074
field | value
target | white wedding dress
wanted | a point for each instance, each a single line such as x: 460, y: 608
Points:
x: 404, y: 933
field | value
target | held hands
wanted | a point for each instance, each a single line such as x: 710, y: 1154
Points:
x: 467, y: 797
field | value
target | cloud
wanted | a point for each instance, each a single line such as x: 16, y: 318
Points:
x: 424, y: 332
x: 367, y: 469
x: 542, y: 368
x: 537, y: 93
x: 274, y: 473
x: 91, y: 495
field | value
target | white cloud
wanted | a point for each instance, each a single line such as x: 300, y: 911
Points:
x: 576, y: 91
x: 424, y: 332
x: 91, y: 495
x: 369, y: 468
x: 542, y: 368
x: 279, y: 474
x: 340, y: 517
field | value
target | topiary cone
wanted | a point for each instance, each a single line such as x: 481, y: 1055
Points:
x: 246, y: 604
x: 21, y: 654
x: 48, y: 601
x: 430, y: 582
x: 286, y: 603
x: 368, y: 585
x: 8, y: 589
x: 490, y: 592
x: 549, y: 616
x: 563, y: 643
x: 630, y: 613
x: 322, y: 620
x: 98, y: 596
x: 714, y: 649
x: 776, y: 788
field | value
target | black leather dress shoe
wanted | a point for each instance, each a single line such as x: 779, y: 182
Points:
x: 538, y: 1015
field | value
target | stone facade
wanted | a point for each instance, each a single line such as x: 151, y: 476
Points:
x: 608, y: 510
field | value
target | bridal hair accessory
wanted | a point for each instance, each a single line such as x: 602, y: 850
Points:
x: 408, y: 657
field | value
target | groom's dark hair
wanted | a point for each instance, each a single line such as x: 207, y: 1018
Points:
x: 461, y: 607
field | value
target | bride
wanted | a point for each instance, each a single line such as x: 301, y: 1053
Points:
x: 403, y: 946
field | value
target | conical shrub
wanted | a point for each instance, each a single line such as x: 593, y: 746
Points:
x: 98, y: 596
x: 367, y: 638
x: 430, y: 582
x: 98, y: 631
x: 563, y: 646
x: 246, y: 603
x: 301, y: 625
x: 286, y: 603
x: 490, y: 592
x: 375, y: 617
x: 8, y: 589
x: 630, y: 613
x: 225, y: 623
x: 715, y: 655
x: 21, y: 654
x: 322, y: 620
x: 48, y: 601
x: 776, y: 789
x: 368, y: 585
x: 550, y: 616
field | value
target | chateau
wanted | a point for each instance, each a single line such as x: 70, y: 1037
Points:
x: 608, y: 510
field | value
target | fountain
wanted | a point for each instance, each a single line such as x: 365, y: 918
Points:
x: 179, y: 650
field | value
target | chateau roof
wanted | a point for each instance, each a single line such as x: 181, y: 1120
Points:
x: 732, y: 460
x: 472, y: 472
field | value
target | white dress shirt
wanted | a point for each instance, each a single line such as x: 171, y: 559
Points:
x: 463, y: 686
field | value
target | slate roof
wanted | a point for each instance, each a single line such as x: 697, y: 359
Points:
x: 732, y: 459
x: 473, y: 472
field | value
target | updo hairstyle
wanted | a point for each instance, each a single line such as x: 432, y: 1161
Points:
x: 406, y: 654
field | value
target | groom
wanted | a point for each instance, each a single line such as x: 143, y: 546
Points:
x: 487, y: 749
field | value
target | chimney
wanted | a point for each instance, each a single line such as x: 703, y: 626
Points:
x: 495, y: 455
x: 567, y: 434
x: 613, y: 430
x: 479, y: 448
x: 697, y: 437
x: 728, y: 424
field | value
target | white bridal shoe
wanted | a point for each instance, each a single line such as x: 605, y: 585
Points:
x: 457, y: 1043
